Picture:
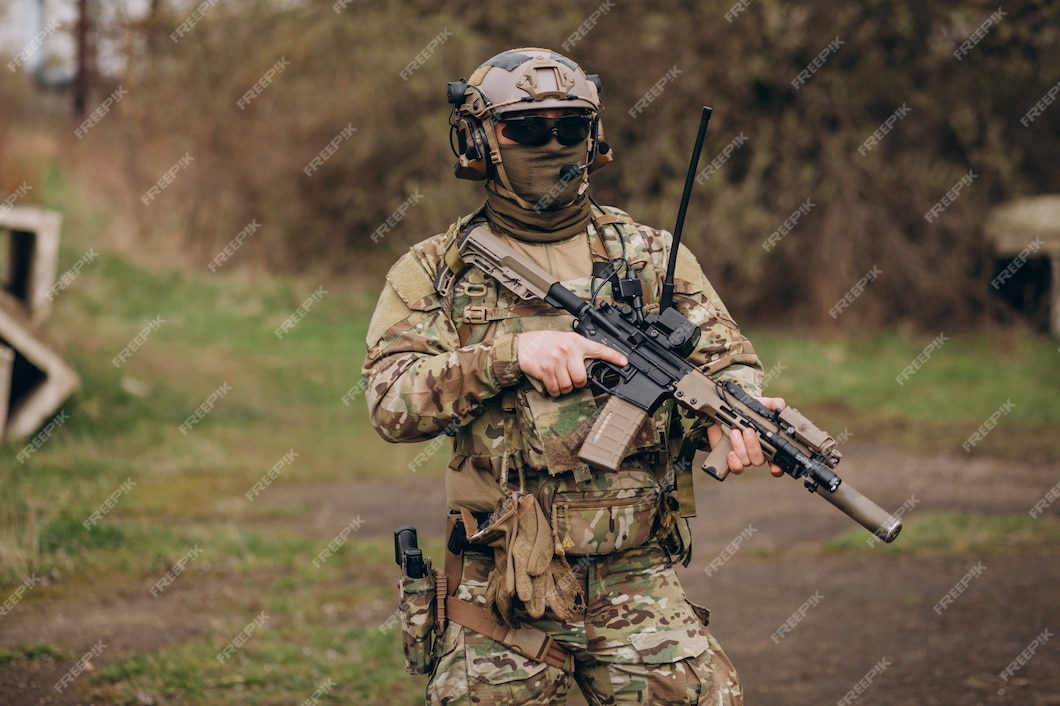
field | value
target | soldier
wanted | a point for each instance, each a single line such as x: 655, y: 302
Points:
x: 557, y: 572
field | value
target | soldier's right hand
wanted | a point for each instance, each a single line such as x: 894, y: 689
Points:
x: 557, y: 358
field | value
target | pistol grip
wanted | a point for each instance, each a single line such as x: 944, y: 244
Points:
x: 607, y: 442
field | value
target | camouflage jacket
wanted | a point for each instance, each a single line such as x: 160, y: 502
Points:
x: 449, y: 364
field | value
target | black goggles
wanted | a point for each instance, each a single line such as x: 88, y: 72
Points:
x: 536, y: 130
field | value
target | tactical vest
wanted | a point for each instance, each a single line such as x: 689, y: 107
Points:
x: 525, y: 439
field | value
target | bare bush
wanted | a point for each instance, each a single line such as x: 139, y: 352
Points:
x: 341, y: 87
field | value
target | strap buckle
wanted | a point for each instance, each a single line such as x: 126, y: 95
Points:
x: 476, y: 314
x: 475, y: 289
x: 532, y: 644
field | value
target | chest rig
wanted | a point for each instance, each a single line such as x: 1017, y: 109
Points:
x: 522, y: 430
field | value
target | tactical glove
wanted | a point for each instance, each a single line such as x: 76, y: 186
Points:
x: 525, y: 564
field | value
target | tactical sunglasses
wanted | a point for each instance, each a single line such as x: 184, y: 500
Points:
x: 536, y: 130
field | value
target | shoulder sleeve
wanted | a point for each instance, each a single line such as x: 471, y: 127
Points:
x: 408, y: 288
x: 419, y: 380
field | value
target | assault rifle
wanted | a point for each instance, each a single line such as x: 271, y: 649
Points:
x: 656, y: 346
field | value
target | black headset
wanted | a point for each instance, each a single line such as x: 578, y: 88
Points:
x: 467, y: 135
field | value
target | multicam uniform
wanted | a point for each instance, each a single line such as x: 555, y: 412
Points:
x: 449, y: 364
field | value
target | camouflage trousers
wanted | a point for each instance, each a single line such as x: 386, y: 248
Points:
x: 637, y: 640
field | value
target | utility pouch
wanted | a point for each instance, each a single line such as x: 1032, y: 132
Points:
x: 614, y: 512
x: 418, y: 619
x: 591, y: 523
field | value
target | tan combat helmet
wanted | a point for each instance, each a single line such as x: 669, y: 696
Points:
x: 517, y: 81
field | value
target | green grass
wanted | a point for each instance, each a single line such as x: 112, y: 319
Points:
x: 311, y: 631
x: 35, y: 652
x: 958, y: 533
x: 851, y: 384
x: 124, y: 424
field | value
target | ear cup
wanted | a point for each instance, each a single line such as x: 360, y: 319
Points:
x: 471, y: 144
x: 604, y: 153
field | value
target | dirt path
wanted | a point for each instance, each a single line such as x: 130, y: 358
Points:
x: 854, y: 619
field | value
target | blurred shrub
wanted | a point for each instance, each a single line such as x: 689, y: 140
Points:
x: 343, y: 64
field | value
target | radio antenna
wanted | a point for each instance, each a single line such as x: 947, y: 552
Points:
x: 668, y: 284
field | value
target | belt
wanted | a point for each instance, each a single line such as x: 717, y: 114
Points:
x: 528, y: 641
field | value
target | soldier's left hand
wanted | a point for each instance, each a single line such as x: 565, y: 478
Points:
x: 746, y: 449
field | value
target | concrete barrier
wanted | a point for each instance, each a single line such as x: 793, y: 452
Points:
x: 33, y: 258
x: 35, y: 379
